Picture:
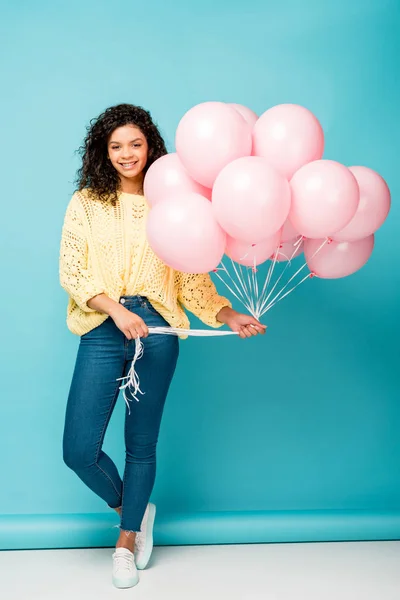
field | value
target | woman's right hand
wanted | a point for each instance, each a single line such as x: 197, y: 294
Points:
x: 129, y: 323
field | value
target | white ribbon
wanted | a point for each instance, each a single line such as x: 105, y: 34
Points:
x: 133, y: 384
x: 247, y: 292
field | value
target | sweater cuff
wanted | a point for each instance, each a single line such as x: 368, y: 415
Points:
x: 84, y: 299
x: 212, y: 310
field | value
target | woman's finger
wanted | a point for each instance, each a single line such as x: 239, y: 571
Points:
x: 139, y: 329
x: 143, y: 329
x: 134, y: 333
x: 253, y: 329
x: 259, y: 326
x: 259, y: 329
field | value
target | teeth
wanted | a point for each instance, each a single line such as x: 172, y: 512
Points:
x: 131, y: 164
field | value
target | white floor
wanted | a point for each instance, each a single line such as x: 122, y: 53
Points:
x: 324, y: 571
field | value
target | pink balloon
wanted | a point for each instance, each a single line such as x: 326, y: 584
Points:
x: 210, y: 136
x: 289, y: 250
x: 289, y: 233
x: 248, y: 115
x: 167, y: 176
x: 251, y: 254
x: 288, y: 136
x: 373, y: 208
x: 325, y: 197
x: 250, y: 199
x: 337, y: 259
x: 184, y: 234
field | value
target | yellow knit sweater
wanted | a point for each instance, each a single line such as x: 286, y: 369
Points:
x: 104, y: 250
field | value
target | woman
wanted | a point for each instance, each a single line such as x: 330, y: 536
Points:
x: 117, y: 288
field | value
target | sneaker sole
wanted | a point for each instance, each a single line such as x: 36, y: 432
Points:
x: 142, y: 564
x: 125, y: 583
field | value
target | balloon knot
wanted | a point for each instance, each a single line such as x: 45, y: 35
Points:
x: 253, y: 245
x: 255, y: 270
x: 330, y: 240
x: 312, y: 274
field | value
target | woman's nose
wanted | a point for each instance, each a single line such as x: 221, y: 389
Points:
x: 127, y: 152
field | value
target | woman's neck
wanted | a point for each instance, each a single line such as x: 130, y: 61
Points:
x: 132, y: 185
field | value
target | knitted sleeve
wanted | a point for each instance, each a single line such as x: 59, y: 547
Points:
x: 198, y: 294
x: 75, y: 277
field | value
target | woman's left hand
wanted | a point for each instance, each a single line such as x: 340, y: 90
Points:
x: 245, y: 325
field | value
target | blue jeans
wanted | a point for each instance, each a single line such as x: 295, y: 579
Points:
x: 105, y: 355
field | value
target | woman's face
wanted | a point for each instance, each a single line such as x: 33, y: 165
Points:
x: 127, y: 150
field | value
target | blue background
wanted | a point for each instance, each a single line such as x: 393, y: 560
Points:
x: 306, y: 418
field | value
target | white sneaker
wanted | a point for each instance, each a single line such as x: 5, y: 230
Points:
x: 125, y: 574
x: 144, y: 538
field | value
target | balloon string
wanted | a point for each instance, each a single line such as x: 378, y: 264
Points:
x: 267, y: 281
x: 190, y: 332
x: 265, y: 298
x: 249, y: 303
x: 252, y: 284
x: 242, y: 277
x: 248, y: 307
x: 275, y: 301
x: 241, y: 280
x: 251, y: 291
x: 242, y: 291
x: 133, y: 383
x: 291, y: 279
x: 255, y: 279
x: 247, y: 286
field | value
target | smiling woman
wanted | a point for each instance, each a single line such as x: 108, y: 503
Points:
x: 118, y: 289
x: 121, y: 135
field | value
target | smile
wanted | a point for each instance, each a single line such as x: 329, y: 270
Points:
x: 129, y: 165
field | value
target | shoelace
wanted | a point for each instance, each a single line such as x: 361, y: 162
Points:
x: 122, y: 562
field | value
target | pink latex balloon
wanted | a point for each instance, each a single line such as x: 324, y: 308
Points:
x: 325, y: 197
x: 288, y: 136
x: 250, y: 255
x: 289, y: 233
x: 250, y: 199
x: 184, y: 234
x: 210, y: 136
x: 373, y: 208
x: 248, y: 115
x: 289, y: 250
x: 337, y: 259
x: 167, y: 176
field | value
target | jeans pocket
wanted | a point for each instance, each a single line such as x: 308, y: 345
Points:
x: 150, y: 308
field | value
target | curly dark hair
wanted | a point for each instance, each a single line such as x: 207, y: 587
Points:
x: 96, y: 172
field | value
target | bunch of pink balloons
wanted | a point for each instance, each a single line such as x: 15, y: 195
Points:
x: 256, y: 188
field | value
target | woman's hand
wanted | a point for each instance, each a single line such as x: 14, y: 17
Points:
x: 129, y: 323
x: 245, y: 325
